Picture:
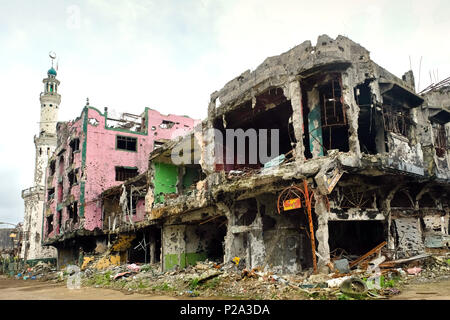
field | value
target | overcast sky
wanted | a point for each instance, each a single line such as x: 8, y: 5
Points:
x: 171, y: 55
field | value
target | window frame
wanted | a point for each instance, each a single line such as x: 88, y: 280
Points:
x: 126, y: 137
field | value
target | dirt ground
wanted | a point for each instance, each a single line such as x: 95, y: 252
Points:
x: 12, y: 289
x: 425, y: 291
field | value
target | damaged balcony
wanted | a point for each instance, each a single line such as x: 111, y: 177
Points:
x: 123, y: 206
x: 176, y: 187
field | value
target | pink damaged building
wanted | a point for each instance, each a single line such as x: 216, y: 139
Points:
x: 95, y: 152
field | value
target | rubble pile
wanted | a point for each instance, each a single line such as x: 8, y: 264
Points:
x: 371, y: 280
x: 375, y: 278
x: 41, y: 271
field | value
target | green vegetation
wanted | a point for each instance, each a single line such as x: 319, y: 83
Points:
x: 211, y: 284
x: 101, y: 279
x: 163, y: 287
x: 193, y: 283
x: 146, y: 268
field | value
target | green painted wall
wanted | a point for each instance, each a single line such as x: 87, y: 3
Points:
x: 165, y: 180
x: 315, y: 130
x: 183, y: 259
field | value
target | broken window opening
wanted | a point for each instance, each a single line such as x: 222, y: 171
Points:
x: 74, y: 147
x: 247, y: 211
x: 396, y: 119
x: 326, y: 125
x: 52, y: 167
x: 126, y: 143
x: 352, y: 197
x: 272, y: 111
x: 157, y: 144
x: 61, y: 166
x: 402, y: 200
x: 132, y: 204
x: 73, y: 177
x: 371, y: 139
x: 146, y: 247
x: 440, y: 139
x: 49, y: 224
x: 215, y: 242
x: 125, y: 173
x: 192, y: 175
x: 50, y: 194
x: 60, y: 213
x: 354, y: 238
x: 166, y: 124
x: 426, y: 201
x: 72, y: 211
x: 334, y: 120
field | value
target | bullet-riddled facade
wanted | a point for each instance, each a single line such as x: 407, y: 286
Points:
x: 361, y: 162
x: 95, y: 152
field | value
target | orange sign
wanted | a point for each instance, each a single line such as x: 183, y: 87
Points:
x: 291, y: 204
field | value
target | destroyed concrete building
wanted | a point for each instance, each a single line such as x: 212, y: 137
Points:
x: 95, y: 152
x: 363, y: 159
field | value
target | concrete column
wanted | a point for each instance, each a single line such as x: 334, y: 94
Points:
x: 322, y: 234
x: 229, y: 237
x: 352, y: 112
x: 295, y: 95
x: 174, y: 246
x: 208, y: 144
x: 152, y: 248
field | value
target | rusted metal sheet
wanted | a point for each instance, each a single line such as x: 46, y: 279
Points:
x: 367, y: 255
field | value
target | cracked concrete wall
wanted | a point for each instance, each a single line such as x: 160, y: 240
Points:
x: 403, y: 155
x: 32, y: 246
x: 185, y: 244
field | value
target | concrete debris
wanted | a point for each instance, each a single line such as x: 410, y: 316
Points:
x: 342, y: 265
x: 336, y: 283
x: 209, y: 278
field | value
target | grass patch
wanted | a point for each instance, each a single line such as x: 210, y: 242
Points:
x: 163, y: 287
x: 211, y: 284
x: 101, y: 279
x: 193, y: 284
x: 146, y: 268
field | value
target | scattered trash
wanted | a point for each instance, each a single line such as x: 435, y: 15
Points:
x: 414, y: 271
x: 342, y: 266
x: 353, y: 286
x: 122, y: 274
x: 335, y: 283
x: 392, y: 263
x: 236, y: 260
x: 275, y: 161
x: 134, y: 268
x: 367, y: 255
